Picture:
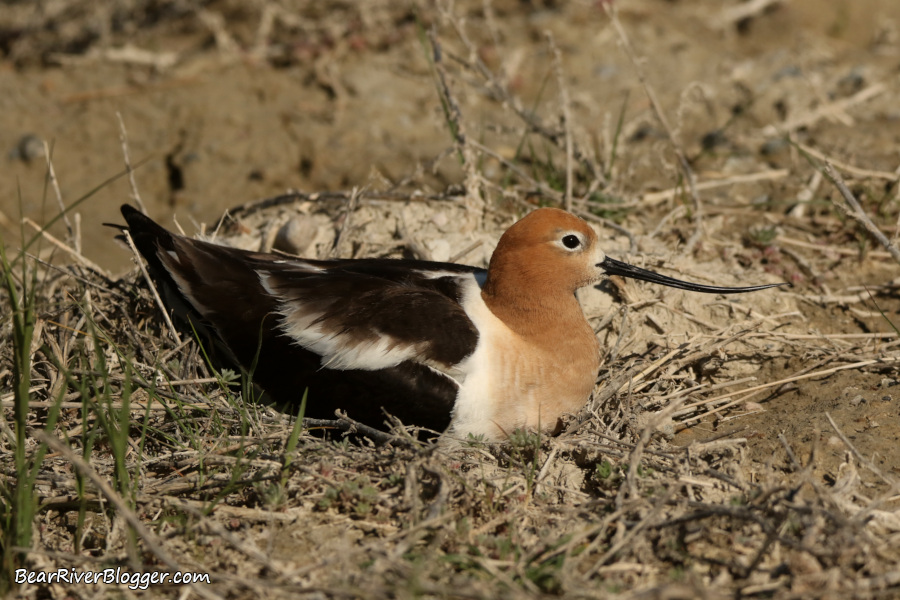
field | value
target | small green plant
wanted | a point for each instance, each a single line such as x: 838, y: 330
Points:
x: 525, y: 440
x: 644, y: 471
x: 762, y: 236
x: 525, y: 448
x: 547, y: 574
x: 293, y: 440
x: 273, y: 495
x: 358, y: 496
x: 475, y: 441
x: 18, y: 505
x: 603, y: 470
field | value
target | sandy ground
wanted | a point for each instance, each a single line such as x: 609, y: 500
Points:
x: 224, y: 105
x: 355, y: 98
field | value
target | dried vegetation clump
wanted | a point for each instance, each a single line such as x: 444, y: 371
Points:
x: 739, y: 448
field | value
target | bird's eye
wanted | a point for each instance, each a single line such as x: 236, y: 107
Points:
x: 571, y: 241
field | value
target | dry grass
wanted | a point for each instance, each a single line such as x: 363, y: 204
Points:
x: 139, y: 455
x: 605, y: 509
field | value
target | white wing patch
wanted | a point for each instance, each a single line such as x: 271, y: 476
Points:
x: 184, y: 286
x: 343, y: 349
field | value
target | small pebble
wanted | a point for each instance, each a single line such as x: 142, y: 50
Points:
x: 28, y: 148
x: 295, y: 236
x: 440, y: 219
x: 850, y: 83
x: 774, y: 146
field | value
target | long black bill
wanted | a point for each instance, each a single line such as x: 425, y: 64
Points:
x: 623, y: 269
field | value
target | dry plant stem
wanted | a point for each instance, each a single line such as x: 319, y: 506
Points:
x: 540, y: 185
x: 588, y: 216
x: 834, y: 108
x: 629, y: 486
x: 345, y: 224
x: 123, y: 137
x: 578, y: 538
x: 454, y: 116
x: 657, y: 197
x: 54, y: 183
x: 790, y: 452
x: 74, y: 253
x: 465, y: 251
x: 566, y: 114
x: 500, y: 93
x: 156, y: 298
x: 543, y: 472
x: 136, y: 407
x: 215, y: 22
x: 632, y: 533
x: 859, y: 457
x: 705, y: 387
x: 77, y: 236
x: 829, y: 249
x: 692, y: 355
x: 245, y: 546
x: 753, y: 390
x: 856, y: 212
x: 612, y: 11
x: 122, y: 508
x: 867, y: 173
x: 69, y: 273
x: 350, y: 426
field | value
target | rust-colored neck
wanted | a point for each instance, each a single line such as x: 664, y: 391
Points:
x: 531, y: 307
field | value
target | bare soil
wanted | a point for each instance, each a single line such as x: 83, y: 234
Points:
x: 381, y: 145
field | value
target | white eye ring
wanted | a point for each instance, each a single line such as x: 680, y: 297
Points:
x: 570, y: 241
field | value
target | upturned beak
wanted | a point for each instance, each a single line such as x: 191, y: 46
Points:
x: 623, y: 269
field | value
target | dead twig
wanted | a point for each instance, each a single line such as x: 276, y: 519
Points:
x: 345, y: 222
x: 566, y: 115
x: 123, y: 138
x: 73, y: 252
x: 830, y: 109
x: 686, y: 170
x: 856, y: 211
x: 159, y: 302
x: 352, y: 427
x: 154, y: 544
x: 654, y: 198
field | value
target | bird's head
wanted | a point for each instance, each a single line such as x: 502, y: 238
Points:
x: 551, y: 252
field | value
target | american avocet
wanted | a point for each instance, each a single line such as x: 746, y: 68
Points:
x: 439, y: 345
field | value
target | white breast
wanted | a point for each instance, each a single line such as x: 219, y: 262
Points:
x: 513, y: 383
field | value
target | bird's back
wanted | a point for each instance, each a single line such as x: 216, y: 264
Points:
x: 369, y: 336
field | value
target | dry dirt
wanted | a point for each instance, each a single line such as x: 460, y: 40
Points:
x: 226, y: 103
